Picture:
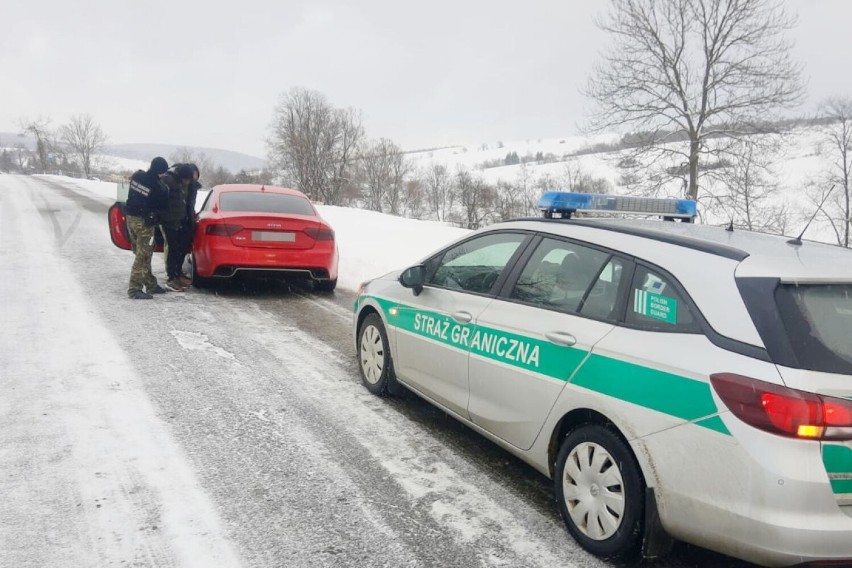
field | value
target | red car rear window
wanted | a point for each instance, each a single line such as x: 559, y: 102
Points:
x: 258, y: 202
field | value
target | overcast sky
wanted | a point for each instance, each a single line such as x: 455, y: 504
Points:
x: 425, y: 74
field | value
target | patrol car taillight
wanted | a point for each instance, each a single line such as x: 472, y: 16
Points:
x: 784, y: 411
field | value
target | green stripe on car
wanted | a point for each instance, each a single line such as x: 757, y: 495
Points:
x: 671, y: 394
x: 838, y: 464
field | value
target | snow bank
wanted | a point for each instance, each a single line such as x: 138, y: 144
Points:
x: 372, y: 244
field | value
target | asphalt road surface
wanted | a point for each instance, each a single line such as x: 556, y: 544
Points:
x: 227, y: 426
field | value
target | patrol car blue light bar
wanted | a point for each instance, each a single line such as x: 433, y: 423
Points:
x: 565, y: 204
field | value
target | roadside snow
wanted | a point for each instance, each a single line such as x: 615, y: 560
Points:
x: 84, y: 457
x: 372, y: 244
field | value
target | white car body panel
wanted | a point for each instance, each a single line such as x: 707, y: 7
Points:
x: 718, y: 481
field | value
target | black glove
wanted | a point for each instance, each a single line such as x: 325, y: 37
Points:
x: 151, y: 219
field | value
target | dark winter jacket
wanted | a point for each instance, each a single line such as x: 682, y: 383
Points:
x: 174, y: 210
x: 146, y: 194
x: 191, y: 196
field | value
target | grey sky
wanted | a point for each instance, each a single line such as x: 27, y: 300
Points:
x: 192, y: 72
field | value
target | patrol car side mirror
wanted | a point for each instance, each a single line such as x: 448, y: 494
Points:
x: 413, y: 278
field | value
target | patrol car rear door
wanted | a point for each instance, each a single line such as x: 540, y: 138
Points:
x: 528, y: 342
x: 432, y: 340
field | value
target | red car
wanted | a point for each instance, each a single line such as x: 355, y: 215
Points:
x: 256, y: 229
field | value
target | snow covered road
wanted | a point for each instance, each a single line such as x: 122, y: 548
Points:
x: 225, y: 427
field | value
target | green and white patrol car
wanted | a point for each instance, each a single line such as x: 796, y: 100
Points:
x: 674, y: 380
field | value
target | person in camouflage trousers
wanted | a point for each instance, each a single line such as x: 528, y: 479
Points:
x: 144, y: 199
x: 142, y: 243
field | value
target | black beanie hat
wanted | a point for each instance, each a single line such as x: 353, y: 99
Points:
x: 159, y: 166
x: 183, y: 171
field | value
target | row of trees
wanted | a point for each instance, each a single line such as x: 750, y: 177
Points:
x: 71, y: 146
x: 213, y: 174
x: 329, y: 157
x: 702, y: 82
x: 74, y: 148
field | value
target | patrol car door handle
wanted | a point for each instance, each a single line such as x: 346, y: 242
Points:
x: 561, y: 338
x: 461, y: 317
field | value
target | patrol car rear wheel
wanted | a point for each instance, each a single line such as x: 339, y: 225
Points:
x: 374, y: 358
x: 600, y: 493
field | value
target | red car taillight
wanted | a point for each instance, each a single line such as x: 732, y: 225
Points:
x: 223, y: 229
x: 320, y: 233
x: 784, y: 411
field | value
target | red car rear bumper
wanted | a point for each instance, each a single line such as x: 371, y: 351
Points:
x: 217, y: 256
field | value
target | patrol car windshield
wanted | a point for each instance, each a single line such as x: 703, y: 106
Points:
x: 818, y: 320
x: 257, y: 202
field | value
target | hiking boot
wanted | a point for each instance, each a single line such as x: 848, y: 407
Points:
x: 140, y: 295
x: 156, y: 289
x: 174, y: 284
x: 185, y: 281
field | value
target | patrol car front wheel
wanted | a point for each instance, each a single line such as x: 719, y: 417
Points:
x: 600, y: 493
x: 374, y: 358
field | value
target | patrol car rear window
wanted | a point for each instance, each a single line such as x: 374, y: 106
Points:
x: 818, y: 321
x: 258, y: 202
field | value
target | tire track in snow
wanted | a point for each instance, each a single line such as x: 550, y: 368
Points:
x: 432, y: 476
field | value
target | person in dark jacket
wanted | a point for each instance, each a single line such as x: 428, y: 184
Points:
x: 187, y: 226
x: 172, y: 215
x: 145, y: 197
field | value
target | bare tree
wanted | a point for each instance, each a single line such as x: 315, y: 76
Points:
x: 375, y: 169
x: 313, y: 144
x: 217, y: 176
x: 400, y: 170
x: 413, y: 199
x: 575, y: 178
x: 476, y: 198
x: 686, y: 71
x: 84, y: 137
x: 206, y: 166
x: 508, y: 201
x: 837, y: 209
x: 746, y: 197
x: 261, y: 177
x: 22, y: 158
x: 440, y: 192
x: 528, y: 193
x: 7, y: 163
x: 40, y: 129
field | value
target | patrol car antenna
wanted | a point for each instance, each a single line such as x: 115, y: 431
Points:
x: 798, y: 240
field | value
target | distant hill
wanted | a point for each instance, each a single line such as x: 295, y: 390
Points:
x: 13, y: 139
x: 233, y: 161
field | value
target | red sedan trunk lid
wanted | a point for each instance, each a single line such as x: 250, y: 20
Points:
x: 293, y: 232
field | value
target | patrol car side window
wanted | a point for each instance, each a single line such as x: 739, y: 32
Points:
x: 474, y: 265
x: 657, y: 305
x: 568, y: 277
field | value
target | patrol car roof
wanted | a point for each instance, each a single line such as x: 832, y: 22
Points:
x: 762, y: 255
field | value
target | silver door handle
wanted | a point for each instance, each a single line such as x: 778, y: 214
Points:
x: 462, y: 317
x: 561, y: 338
